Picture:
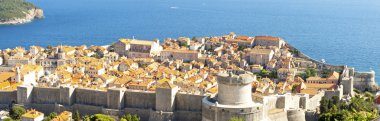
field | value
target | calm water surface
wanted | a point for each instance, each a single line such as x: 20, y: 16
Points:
x: 339, y: 31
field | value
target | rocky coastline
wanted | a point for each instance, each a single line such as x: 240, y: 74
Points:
x: 29, y: 17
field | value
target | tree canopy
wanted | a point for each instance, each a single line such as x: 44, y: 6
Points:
x: 360, y: 108
x: 16, y: 112
x: 10, y: 9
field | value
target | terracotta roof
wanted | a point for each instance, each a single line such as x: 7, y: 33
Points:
x: 136, y: 42
x: 166, y: 84
x: 261, y: 51
x: 180, y: 51
x: 266, y: 38
x: 32, y: 114
x: 64, y: 116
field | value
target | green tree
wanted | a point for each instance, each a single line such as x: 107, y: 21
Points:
x: 265, y: 73
x: 50, y: 116
x: 101, y: 117
x: 310, y: 72
x: 129, y: 117
x: 8, y: 119
x: 76, y: 116
x: 324, y: 105
x: 294, y: 88
x: 236, y: 119
x: 86, y: 118
x: 16, y: 112
x: 335, y: 100
x: 183, y: 44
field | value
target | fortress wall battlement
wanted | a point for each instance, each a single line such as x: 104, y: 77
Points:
x: 364, y: 81
x: 187, y: 107
x: 188, y: 102
x: 91, y: 97
x: 45, y: 95
x: 229, y: 78
x: 313, y: 102
x: 140, y: 99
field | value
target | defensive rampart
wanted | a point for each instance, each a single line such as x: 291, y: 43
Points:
x: 116, y: 102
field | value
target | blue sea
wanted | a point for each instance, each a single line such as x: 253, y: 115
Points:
x: 339, y: 31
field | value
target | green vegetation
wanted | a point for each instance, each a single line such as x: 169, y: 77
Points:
x: 241, y: 48
x: 76, y: 116
x: 8, y: 119
x: 183, y: 44
x: 50, y: 116
x: 294, y: 52
x: 236, y: 119
x: 360, y: 108
x: 129, y: 117
x: 16, y: 112
x: 294, y: 88
x: 101, y: 117
x: 10, y: 9
x: 325, y: 73
x: 267, y: 73
x: 309, y: 72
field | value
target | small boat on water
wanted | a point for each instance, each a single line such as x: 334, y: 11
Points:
x: 174, y: 7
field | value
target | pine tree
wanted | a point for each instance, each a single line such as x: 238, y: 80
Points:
x: 76, y: 116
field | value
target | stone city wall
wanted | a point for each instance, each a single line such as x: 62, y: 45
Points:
x: 314, y: 101
x: 140, y: 99
x: 365, y: 81
x: 296, y: 115
x: 188, y: 102
x: 319, y: 63
x: 91, y: 97
x: 7, y: 97
x: 44, y: 95
x: 288, y: 101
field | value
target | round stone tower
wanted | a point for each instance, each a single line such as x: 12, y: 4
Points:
x: 234, y: 89
x: 233, y: 100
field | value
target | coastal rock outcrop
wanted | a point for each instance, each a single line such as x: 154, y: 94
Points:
x: 30, y: 15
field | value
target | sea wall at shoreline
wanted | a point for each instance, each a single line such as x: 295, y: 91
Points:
x: 320, y: 64
x: 29, y: 17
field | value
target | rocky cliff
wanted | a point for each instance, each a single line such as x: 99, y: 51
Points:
x: 30, y: 15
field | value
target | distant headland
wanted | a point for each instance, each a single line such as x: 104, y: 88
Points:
x: 18, y: 12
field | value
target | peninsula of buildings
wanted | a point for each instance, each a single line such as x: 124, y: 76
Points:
x: 185, y: 79
x: 18, y: 12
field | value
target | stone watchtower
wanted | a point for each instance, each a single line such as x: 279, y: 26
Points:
x: 234, y: 90
x: 233, y: 99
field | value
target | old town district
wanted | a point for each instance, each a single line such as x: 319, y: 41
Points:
x: 200, y: 78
